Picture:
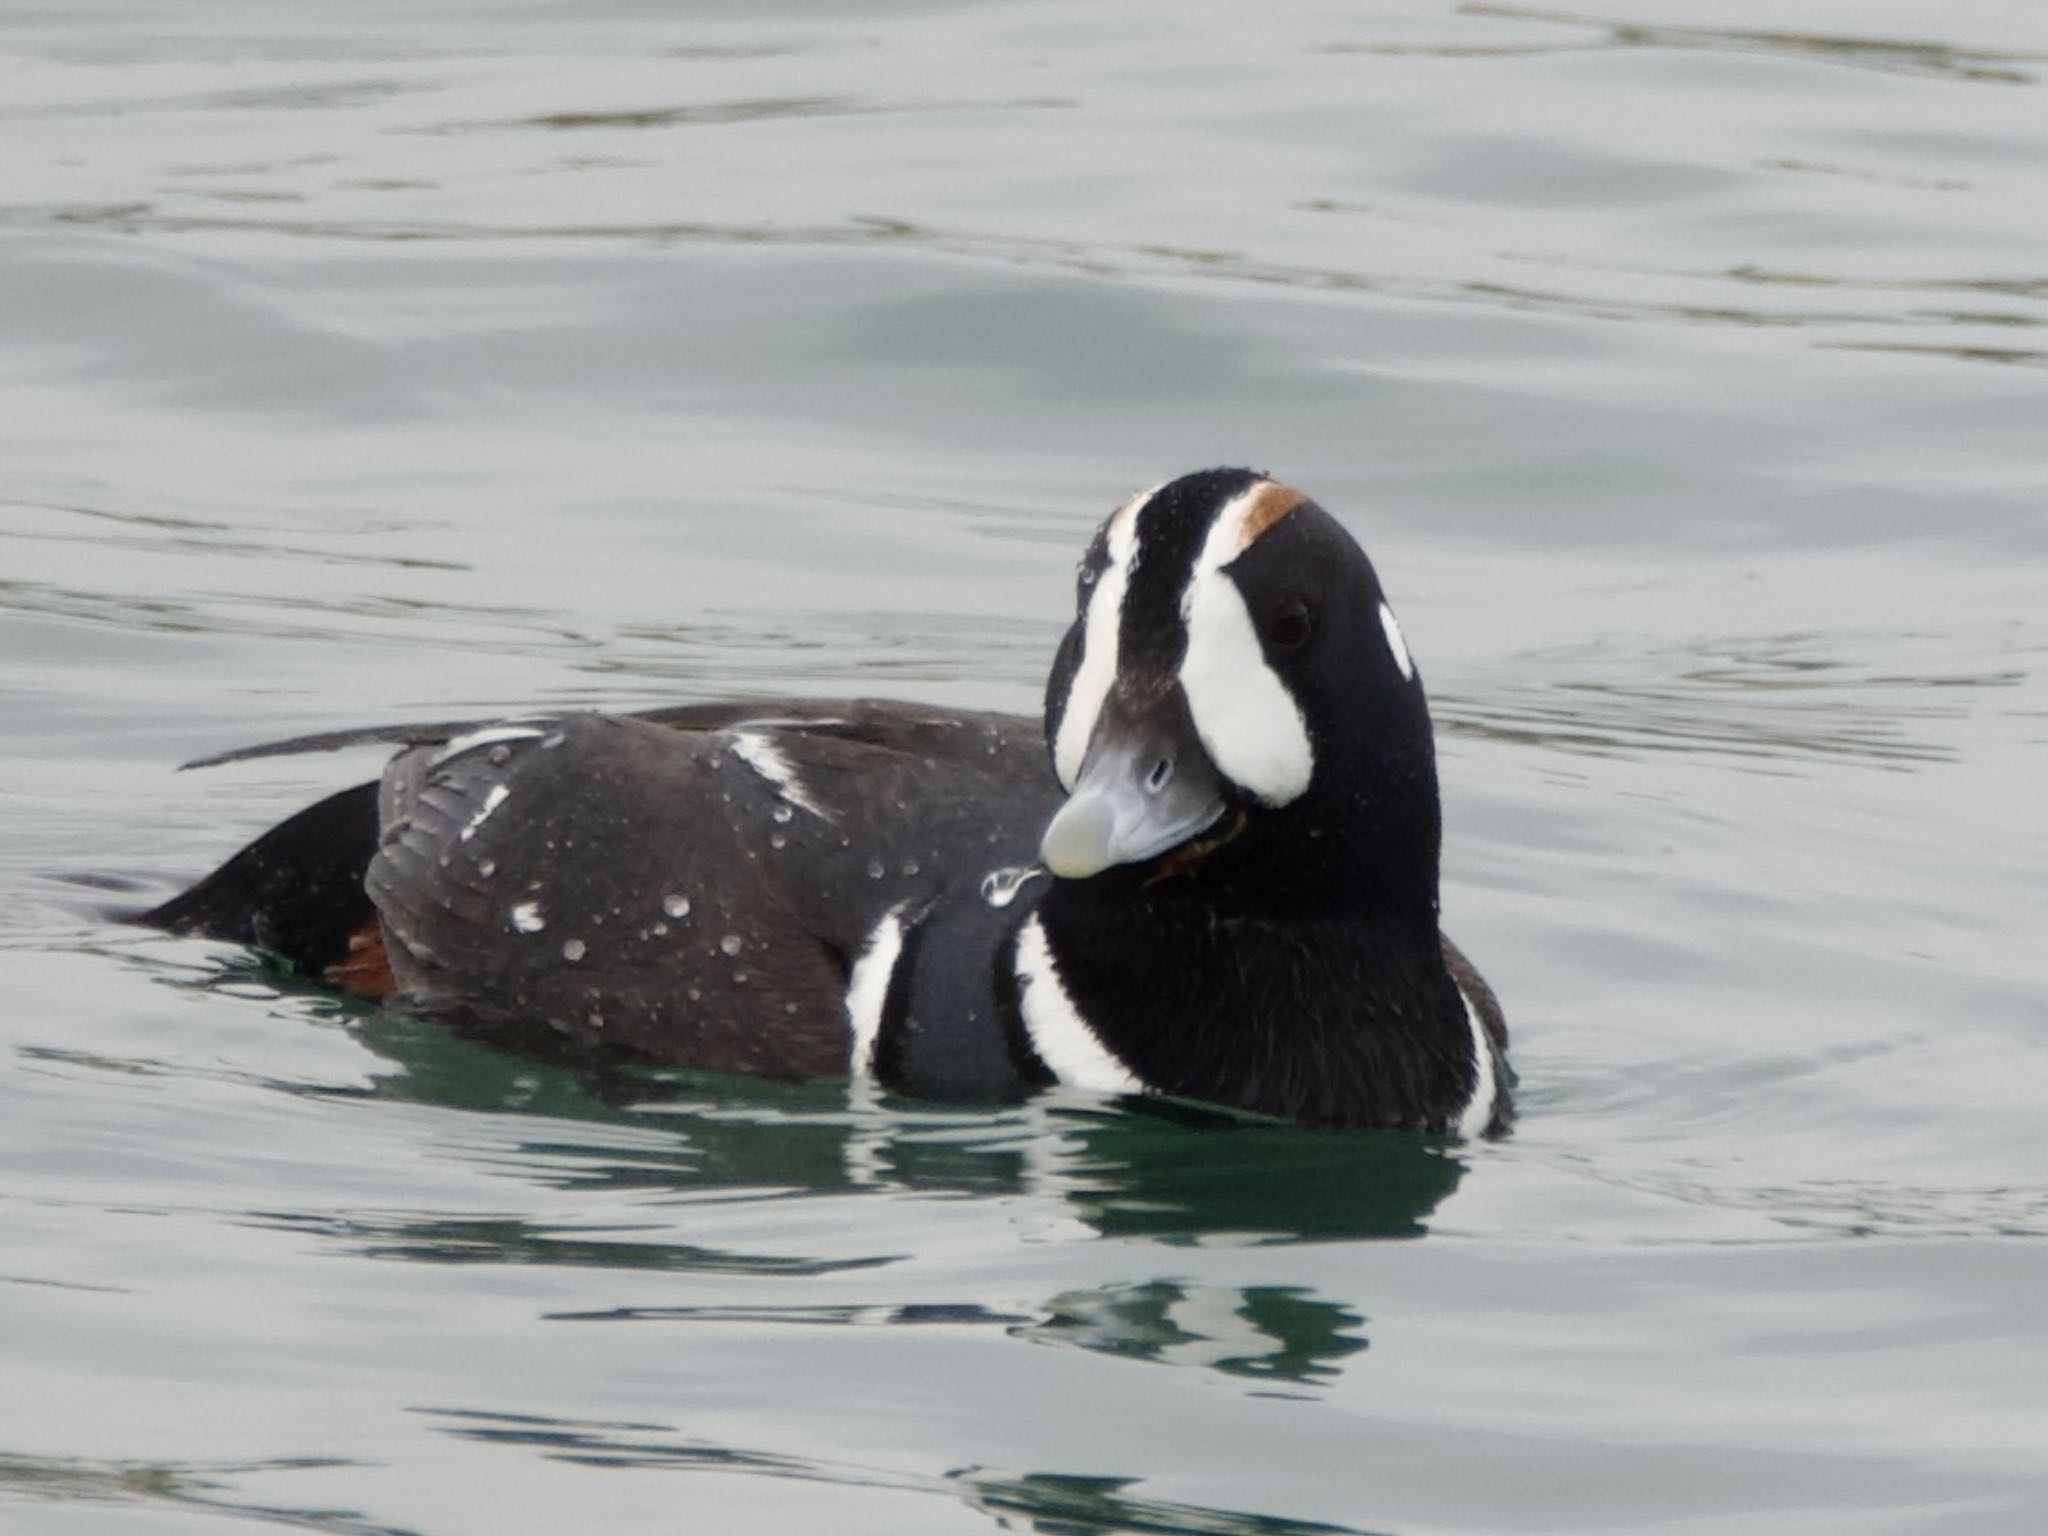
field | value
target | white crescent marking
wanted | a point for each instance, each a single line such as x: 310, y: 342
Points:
x: 1060, y: 1037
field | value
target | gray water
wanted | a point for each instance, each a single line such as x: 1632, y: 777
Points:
x: 1682, y: 366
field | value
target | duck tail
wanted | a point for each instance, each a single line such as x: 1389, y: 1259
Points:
x: 296, y: 892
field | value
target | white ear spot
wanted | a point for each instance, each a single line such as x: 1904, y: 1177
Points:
x: 1092, y: 679
x: 1396, y: 642
x: 1247, y: 719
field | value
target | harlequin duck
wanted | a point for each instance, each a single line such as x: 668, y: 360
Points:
x: 1223, y: 886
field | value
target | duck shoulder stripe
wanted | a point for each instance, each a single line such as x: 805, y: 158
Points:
x: 757, y: 749
x: 867, y: 990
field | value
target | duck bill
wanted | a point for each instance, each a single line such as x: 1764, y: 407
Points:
x: 1145, y: 788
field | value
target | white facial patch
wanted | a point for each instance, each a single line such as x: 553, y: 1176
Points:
x: 1092, y: 679
x: 1397, y: 642
x: 1060, y: 1037
x: 867, y: 990
x: 1248, y: 721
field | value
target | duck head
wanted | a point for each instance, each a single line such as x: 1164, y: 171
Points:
x: 1235, y: 706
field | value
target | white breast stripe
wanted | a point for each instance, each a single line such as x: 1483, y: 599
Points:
x: 1478, y: 1113
x: 1247, y: 719
x: 1092, y: 679
x: 867, y: 990
x: 1396, y: 642
x: 1059, y: 1035
x: 762, y: 755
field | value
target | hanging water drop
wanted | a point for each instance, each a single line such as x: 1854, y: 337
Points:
x: 999, y: 887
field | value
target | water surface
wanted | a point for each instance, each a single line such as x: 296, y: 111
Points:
x: 1682, y: 366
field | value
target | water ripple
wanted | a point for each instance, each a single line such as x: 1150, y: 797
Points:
x: 1886, y: 55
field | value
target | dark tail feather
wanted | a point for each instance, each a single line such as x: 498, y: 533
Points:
x: 296, y: 891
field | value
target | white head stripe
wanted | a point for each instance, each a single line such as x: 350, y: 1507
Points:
x: 1097, y: 671
x: 1247, y: 719
x: 867, y: 990
x: 1060, y: 1037
x: 1478, y: 1112
x: 1396, y: 642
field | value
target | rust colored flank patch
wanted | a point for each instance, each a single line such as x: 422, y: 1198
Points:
x: 367, y: 970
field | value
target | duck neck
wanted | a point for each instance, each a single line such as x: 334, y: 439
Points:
x: 1339, y: 1015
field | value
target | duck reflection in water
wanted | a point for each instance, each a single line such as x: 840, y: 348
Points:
x: 1275, y: 1333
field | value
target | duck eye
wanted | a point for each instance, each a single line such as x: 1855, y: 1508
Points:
x: 1288, y: 624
